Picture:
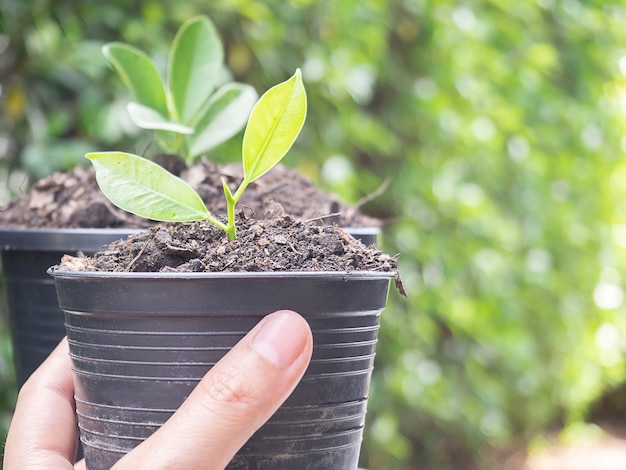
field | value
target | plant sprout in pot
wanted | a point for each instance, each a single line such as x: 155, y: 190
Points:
x: 147, y: 317
x: 189, y: 116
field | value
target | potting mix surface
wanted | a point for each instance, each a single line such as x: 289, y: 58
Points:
x: 279, y: 242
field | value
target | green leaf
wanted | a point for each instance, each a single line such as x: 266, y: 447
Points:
x: 146, y: 189
x: 148, y: 118
x: 274, y: 124
x: 195, y: 63
x: 226, y: 114
x: 139, y: 74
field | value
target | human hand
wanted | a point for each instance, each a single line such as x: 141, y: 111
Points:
x: 230, y: 403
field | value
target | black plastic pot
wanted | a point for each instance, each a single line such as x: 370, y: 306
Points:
x: 140, y: 342
x: 35, y: 318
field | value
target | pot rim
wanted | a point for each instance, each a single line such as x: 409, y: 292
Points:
x: 334, y: 275
x: 61, y: 239
x: 4, y: 229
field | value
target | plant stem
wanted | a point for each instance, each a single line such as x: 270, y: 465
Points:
x: 231, y: 202
x: 231, y: 229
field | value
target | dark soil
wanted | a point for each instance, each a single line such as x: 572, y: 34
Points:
x: 73, y: 199
x: 67, y: 200
x: 282, y: 243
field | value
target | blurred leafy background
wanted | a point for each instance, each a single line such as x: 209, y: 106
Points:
x: 502, y: 128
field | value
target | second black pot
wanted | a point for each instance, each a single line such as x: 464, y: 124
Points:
x: 35, y: 319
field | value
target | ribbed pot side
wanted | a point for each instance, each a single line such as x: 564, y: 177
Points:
x: 140, y: 342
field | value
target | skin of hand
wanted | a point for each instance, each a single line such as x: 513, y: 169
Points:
x: 229, y: 404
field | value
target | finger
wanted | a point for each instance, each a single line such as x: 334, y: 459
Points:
x: 43, y: 430
x: 233, y: 400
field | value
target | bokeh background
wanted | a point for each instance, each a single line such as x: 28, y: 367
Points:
x: 501, y: 128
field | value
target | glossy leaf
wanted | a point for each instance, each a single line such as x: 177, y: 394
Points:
x: 195, y: 62
x: 139, y: 74
x: 274, y: 124
x: 148, y: 118
x: 144, y: 188
x: 226, y: 114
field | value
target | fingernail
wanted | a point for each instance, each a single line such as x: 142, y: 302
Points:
x: 281, y: 339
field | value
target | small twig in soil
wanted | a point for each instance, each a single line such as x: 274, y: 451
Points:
x: 127, y: 268
x: 294, y: 250
x: 334, y: 214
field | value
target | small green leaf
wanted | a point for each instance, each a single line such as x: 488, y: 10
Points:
x: 274, y: 124
x: 226, y: 114
x: 146, y: 189
x: 195, y: 62
x: 148, y: 118
x: 139, y: 75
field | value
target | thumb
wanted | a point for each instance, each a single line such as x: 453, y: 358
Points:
x: 233, y: 400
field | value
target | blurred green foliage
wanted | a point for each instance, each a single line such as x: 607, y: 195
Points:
x: 501, y: 126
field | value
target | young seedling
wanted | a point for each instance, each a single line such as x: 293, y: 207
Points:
x: 142, y: 187
x: 189, y: 116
